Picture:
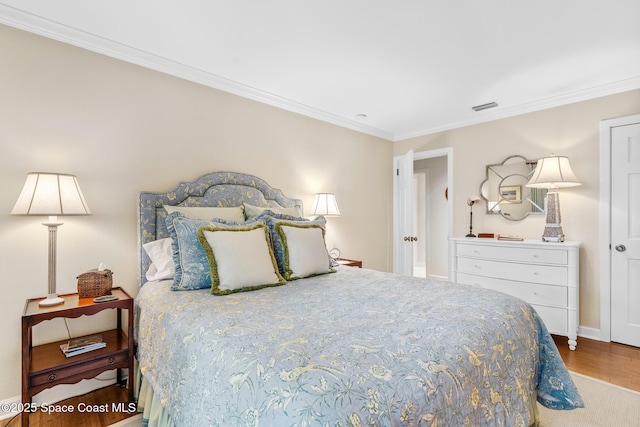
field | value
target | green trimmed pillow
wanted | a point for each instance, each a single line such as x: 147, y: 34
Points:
x: 305, y: 251
x: 241, y: 258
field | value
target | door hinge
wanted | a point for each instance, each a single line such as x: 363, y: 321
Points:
x: 397, y: 172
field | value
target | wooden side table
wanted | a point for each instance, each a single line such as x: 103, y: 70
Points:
x: 349, y: 262
x: 45, y: 366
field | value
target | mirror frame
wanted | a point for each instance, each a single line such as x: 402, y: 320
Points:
x: 514, y: 194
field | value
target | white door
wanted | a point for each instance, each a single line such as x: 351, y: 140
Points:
x: 403, y: 237
x: 625, y: 234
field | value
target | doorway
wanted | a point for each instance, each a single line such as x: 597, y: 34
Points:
x: 422, y: 215
x: 430, y: 257
x: 620, y: 230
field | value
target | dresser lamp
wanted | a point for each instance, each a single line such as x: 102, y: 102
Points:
x: 553, y: 172
x: 471, y: 200
x: 325, y: 204
x: 53, y: 195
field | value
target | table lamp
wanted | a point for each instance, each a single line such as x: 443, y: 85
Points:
x: 325, y: 204
x: 53, y: 195
x: 553, y: 172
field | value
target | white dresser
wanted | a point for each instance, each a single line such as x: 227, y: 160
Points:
x: 542, y: 273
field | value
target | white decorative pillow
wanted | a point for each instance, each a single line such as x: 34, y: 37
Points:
x: 241, y: 259
x: 161, y: 256
x: 251, y: 211
x: 208, y: 213
x: 305, y: 250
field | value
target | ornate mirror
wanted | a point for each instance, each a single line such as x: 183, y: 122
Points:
x: 505, y: 189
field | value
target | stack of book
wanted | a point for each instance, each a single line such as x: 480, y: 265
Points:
x: 81, y: 345
x: 510, y: 237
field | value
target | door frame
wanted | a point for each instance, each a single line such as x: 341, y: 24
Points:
x: 606, y: 128
x: 421, y: 155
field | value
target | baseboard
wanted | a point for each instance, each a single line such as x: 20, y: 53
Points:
x: 9, y: 407
x: 590, y: 333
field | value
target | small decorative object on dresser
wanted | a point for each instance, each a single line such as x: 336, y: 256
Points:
x: 472, y: 200
x: 544, y: 275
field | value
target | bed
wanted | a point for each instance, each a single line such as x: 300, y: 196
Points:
x: 313, y: 344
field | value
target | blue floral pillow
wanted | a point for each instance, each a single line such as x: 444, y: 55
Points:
x: 190, y: 260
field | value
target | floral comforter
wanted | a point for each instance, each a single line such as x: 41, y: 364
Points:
x: 356, y: 347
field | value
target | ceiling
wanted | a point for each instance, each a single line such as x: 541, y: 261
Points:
x: 410, y: 67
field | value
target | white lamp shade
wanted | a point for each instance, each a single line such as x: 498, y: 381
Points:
x: 51, y: 194
x: 325, y: 204
x: 553, y: 172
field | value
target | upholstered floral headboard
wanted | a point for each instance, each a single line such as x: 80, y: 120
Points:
x: 217, y: 189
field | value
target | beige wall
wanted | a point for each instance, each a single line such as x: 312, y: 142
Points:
x: 571, y: 130
x: 123, y: 129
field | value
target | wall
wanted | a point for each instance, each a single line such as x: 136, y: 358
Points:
x: 571, y: 130
x: 123, y: 129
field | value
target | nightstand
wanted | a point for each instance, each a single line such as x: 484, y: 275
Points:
x: 45, y: 366
x: 349, y: 262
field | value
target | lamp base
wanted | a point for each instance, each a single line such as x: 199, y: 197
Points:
x: 553, y: 228
x: 553, y: 234
x: 51, y: 300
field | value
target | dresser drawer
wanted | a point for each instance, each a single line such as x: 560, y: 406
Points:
x: 513, y: 253
x: 544, y: 274
x: 530, y: 292
x: 555, y: 319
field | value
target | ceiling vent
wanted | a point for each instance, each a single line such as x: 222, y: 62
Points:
x: 484, y: 106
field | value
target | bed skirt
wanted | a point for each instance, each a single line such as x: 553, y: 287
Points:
x: 153, y: 411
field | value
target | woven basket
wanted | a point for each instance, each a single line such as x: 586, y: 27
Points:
x: 95, y: 283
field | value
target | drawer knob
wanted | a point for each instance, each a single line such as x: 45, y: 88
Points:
x: 52, y: 377
x: 112, y: 360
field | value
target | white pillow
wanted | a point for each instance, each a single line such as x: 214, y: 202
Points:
x: 241, y: 259
x: 209, y: 213
x: 161, y: 256
x: 251, y: 211
x: 305, y: 251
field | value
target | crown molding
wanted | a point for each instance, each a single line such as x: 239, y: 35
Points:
x: 530, y: 107
x: 72, y: 36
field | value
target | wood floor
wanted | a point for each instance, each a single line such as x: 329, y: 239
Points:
x: 615, y: 363
x: 611, y: 362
